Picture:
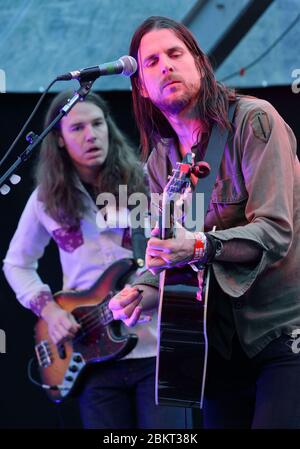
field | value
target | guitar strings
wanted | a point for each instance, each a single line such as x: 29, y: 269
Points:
x: 90, y: 321
x: 96, y: 312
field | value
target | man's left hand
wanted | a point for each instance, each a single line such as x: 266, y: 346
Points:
x: 174, y: 252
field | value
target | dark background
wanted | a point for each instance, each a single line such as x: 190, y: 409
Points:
x: 22, y: 404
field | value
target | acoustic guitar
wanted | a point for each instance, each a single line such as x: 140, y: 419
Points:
x: 182, y: 313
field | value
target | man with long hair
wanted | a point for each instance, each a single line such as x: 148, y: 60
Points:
x: 253, y: 371
x: 86, y: 155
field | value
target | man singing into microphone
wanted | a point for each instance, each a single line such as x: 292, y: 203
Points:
x: 85, y: 155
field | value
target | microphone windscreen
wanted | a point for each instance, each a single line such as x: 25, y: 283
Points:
x: 130, y: 65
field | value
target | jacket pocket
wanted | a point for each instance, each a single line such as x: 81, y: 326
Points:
x: 230, y: 190
x: 228, y: 202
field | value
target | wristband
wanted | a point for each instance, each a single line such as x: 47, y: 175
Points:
x: 200, y: 246
x: 213, y: 247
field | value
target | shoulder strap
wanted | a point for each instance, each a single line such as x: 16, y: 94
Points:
x: 213, y: 157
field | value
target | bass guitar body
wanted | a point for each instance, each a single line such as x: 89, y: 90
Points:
x: 99, y: 338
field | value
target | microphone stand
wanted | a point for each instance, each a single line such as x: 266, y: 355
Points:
x: 36, y: 139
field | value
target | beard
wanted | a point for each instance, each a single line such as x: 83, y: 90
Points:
x: 177, y: 104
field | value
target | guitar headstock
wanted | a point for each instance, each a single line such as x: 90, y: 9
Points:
x: 174, y: 192
x: 179, y: 181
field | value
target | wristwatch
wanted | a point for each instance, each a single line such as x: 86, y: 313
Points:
x: 218, y: 247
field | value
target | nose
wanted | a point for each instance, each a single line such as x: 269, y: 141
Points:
x: 166, y: 65
x: 90, y: 133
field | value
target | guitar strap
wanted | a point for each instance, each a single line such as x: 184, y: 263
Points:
x: 214, y: 152
x: 213, y: 157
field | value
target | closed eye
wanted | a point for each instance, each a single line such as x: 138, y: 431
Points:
x: 175, y: 53
x: 151, y: 62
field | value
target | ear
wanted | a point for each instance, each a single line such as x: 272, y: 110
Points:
x: 61, y: 141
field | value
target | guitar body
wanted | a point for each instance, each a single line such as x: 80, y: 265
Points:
x: 182, y: 349
x: 98, y: 340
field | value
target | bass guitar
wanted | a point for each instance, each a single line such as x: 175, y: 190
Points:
x: 99, y: 339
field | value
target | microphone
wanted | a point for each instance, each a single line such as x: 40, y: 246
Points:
x: 126, y: 65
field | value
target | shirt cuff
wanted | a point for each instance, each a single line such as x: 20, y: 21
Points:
x: 236, y: 278
x: 147, y: 278
x: 38, y: 303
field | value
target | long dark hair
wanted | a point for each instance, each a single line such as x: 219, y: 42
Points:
x: 213, y: 96
x: 57, y: 177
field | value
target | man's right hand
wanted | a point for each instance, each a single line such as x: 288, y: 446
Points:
x: 129, y: 304
x: 125, y: 305
x: 61, y: 324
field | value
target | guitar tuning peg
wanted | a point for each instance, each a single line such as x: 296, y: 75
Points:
x: 15, y: 179
x: 186, y: 193
x: 179, y: 202
x: 4, y: 189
